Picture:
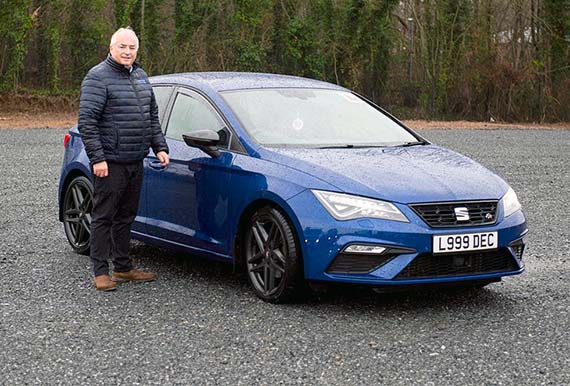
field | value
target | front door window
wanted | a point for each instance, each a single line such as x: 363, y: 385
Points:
x: 193, y: 113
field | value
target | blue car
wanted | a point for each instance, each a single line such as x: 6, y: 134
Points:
x: 296, y: 180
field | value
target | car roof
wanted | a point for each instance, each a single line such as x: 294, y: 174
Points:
x: 226, y: 81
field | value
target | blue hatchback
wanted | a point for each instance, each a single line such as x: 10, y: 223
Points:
x: 298, y: 180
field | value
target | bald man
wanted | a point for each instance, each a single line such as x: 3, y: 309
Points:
x: 118, y: 123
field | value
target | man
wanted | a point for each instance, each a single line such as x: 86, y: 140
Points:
x: 118, y: 122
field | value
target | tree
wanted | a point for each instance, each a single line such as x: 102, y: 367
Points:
x: 15, y: 23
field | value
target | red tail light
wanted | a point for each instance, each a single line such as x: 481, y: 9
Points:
x: 66, y: 139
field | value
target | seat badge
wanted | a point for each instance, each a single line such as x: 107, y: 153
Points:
x: 461, y: 213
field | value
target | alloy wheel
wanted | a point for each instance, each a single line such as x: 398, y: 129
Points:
x: 271, y: 256
x: 77, y: 207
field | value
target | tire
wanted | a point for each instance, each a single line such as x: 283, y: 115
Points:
x: 271, y: 256
x: 77, y: 207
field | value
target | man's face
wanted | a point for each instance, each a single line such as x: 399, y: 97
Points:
x: 124, y: 51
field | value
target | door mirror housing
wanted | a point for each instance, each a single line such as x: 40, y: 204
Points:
x: 205, y: 140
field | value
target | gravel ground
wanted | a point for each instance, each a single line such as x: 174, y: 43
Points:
x: 200, y: 324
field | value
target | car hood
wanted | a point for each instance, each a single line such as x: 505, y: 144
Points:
x: 425, y: 173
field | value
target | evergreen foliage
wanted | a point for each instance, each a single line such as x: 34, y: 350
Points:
x: 15, y: 23
x: 456, y: 59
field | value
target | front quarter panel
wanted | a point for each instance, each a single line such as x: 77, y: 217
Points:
x: 255, y: 179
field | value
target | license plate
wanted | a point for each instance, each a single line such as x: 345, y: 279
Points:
x: 465, y: 242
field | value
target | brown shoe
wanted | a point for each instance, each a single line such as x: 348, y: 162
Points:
x: 104, y: 283
x: 133, y: 275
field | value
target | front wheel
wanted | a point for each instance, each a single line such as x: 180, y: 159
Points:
x: 77, y: 207
x: 271, y: 256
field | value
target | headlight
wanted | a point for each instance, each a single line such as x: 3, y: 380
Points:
x: 348, y: 207
x: 510, y: 202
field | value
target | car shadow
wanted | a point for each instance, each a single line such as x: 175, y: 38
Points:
x: 181, y: 266
x: 176, y: 265
x: 413, y: 298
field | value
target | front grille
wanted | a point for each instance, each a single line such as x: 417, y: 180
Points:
x: 428, y: 265
x: 347, y: 263
x: 440, y: 215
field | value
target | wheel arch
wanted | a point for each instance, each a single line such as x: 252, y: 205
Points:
x: 248, y: 212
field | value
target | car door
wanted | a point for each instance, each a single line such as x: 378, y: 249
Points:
x: 187, y: 202
x: 162, y: 95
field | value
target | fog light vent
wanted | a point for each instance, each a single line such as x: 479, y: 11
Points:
x: 351, y: 263
x: 364, y: 258
x: 518, y: 250
x: 517, y: 247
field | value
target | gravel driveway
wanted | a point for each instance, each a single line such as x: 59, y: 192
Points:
x: 200, y: 324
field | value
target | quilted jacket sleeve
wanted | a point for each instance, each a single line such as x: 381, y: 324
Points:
x: 91, y: 104
x: 158, y: 142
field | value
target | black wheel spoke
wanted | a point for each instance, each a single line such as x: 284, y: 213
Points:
x: 272, y: 235
x: 262, y: 232
x: 80, y: 234
x: 277, y: 267
x: 271, y: 273
x: 257, y: 267
x: 86, y: 202
x: 73, y: 220
x: 279, y: 255
x: 265, y: 279
x: 73, y: 229
x: 255, y: 257
x: 76, y: 200
x: 72, y: 212
x: 258, y: 237
x: 277, y: 240
x: 80, y: 196
x: 86, y: 226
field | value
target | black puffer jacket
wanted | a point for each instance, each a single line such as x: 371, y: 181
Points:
x: 118, y: 114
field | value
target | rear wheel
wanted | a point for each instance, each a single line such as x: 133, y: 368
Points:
x: 77, y: 207
x: 271, y: 256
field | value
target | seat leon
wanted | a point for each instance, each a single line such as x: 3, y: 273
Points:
x: 296, y: 180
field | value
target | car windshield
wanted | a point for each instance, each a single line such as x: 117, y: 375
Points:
x: 301, y: 117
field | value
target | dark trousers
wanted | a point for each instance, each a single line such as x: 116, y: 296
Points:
x: 115, y: 205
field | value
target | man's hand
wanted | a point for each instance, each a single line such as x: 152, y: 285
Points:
x: 100, y: 169
x: 163, y: 158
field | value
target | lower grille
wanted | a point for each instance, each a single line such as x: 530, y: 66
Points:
x: 347, y: 263
x: 428, y: 265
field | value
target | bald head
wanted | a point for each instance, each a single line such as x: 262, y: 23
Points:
x: 124, y: 46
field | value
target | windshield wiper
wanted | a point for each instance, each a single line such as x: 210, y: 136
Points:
x: 347, y: 146
x: 414, y: 143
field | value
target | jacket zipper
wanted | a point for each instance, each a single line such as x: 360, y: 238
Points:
x: 139, y: 104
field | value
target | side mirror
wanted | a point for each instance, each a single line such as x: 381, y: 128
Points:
x: 205, y: 140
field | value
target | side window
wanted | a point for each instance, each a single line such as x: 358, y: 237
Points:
x: 190, y: 114
x: 162, y: 95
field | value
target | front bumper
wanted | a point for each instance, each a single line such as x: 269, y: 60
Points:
x: 323, y: 240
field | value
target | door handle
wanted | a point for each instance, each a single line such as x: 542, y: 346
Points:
x: 156, y: 165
